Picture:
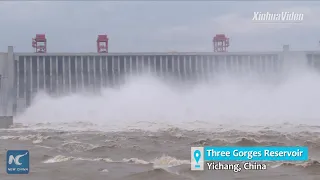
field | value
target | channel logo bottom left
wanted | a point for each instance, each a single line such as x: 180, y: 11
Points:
x: 197, y: 159
x: 17, y: 161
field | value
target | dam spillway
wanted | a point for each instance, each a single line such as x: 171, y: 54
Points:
x: 59, y: 74
x: 23, y: 75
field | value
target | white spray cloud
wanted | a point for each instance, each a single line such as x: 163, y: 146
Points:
x: 227, y: 101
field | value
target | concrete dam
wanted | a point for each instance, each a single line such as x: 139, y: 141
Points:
x: 23, y: 75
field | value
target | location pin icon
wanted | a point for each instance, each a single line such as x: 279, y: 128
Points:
x: 197, y: 155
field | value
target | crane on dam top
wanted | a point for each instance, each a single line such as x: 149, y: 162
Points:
x: 102, y: 44
x: 220, y: 43
x: 39, y: 43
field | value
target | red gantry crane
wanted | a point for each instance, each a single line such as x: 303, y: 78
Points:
x: 102, y: 44
x: 39, y: 43
x: 220, y: 43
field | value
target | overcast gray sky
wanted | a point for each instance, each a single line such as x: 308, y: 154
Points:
x: 140, y: 26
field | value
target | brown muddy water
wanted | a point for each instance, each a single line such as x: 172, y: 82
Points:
x: 137, y: 154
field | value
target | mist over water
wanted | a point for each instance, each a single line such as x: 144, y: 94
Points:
x: 147, y: 102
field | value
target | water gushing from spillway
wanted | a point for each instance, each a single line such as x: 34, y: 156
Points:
x: 147, y: 102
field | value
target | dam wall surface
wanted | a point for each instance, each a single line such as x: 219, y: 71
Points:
x: 7, y: 88
x: 23, y: 75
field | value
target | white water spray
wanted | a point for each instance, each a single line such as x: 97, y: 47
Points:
x: 146, y: 102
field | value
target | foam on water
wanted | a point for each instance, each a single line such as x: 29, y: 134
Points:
x: 146, y: 102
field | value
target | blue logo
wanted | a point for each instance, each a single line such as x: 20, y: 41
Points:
x: 197, y: 156
x: 17, y: 161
